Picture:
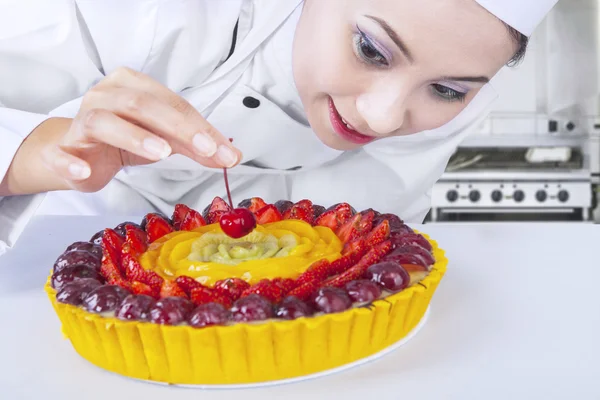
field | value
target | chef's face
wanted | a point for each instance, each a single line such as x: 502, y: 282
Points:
x: 369, y: 69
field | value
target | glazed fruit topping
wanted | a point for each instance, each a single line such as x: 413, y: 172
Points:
x: 380, y: 254
x: 390, y: 275
x: 104, y: 298
x: 330, y: 300
x: 253, y: 307
x: 171, y: 311
x: 135, y: 308
x: 208, y: 315
x: 291, y: 308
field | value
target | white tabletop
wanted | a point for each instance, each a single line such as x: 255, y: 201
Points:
x: 517, y: 316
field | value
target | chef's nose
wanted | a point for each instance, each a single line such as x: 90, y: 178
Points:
x: 384, y: 109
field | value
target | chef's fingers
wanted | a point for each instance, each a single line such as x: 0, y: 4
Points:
x: 195, y: 130
x: 65, y: 165
x: 157, y: 116
x: 102, y: 126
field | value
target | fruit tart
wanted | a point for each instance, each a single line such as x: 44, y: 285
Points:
x: 262, y: 292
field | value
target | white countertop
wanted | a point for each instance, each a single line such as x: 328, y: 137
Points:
x: 517, y: 316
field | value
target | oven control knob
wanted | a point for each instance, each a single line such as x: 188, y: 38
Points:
x: 541, y: 196
x: 496, y: 196
x: 452, y: 196
x: 563, y: 196
x: 474, y: 196
x: 519, y: 196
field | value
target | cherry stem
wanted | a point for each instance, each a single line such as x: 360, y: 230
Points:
x: 227, y: 187
x: 227, y: 182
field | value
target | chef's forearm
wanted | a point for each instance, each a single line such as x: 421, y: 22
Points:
x: 27, y: 173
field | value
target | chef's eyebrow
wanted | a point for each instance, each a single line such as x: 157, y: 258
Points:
x: 407, y: 53
x: 394, y: 36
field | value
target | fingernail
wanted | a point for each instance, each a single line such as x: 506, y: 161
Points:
x: 204, y: 144
x: 226, y: 156
x: 79, y: 171
x: 157, y: 147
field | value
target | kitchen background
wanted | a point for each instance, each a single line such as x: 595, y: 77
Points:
x: 537, y: 156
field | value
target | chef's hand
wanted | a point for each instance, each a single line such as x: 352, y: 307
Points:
x: 129, y: 119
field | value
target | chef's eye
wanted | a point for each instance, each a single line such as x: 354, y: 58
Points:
x: 447, y: 94
x: 367, y: 50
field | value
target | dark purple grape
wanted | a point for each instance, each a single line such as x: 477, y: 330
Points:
x: 171, y: 311
x: 330, y: 300
x: 135, y: 308
x: 318, y: 210
x: 253, y: 307
x: 73, y: 273
x: 410, y: 249
x: 396, y: 224
x: 363, y: 291
x: 246, y: 203
x: 97, y: 238
x: 401, y: 239
x: 390, y: 275
x: 86, y: 246
x: 283, y: 205
x: 75, y: 292
x: 208, y: 314
x: 77, y: 258
x: 105, y: 298
x: 120, y: 229
x: 365, y: 212
x: 291, y: 308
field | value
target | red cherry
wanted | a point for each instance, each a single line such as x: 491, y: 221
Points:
x: 237, y: 223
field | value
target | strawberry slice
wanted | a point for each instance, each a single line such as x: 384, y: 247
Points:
x: 306, y: 204
x: 157, y: 227
x: 206, y: 295
x: 112, y: 243
x: 286, y: 284
x: 366, y: 223
x: 188, y: 284
x: 328, y: 219
x: 192, y: 220
x: 231, y: 287
x: 171, y: 289
x: 212, y: 213
x: 110, y: 272
x: 372, y: 257
x: 355, y: 246
x: 155, y: 281
x: 299, y: 213
x: 349, y: 230
x: 267, y: 289
x: 133, y: 270
x: 141, y: 288
x: 136, y: 241
x: 343, y: 264
x: 304, y: 291
x: 267, y: 215
x: 379, y: 234
x: 179, y: 213
x: 254, y: 204
x: 317, y: 271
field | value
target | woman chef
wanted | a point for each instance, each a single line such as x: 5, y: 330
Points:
x: 125, y: 107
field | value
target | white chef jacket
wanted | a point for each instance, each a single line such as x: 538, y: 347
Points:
x: 52, y: 52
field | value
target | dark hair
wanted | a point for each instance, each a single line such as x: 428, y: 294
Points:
x: 522, y: 42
